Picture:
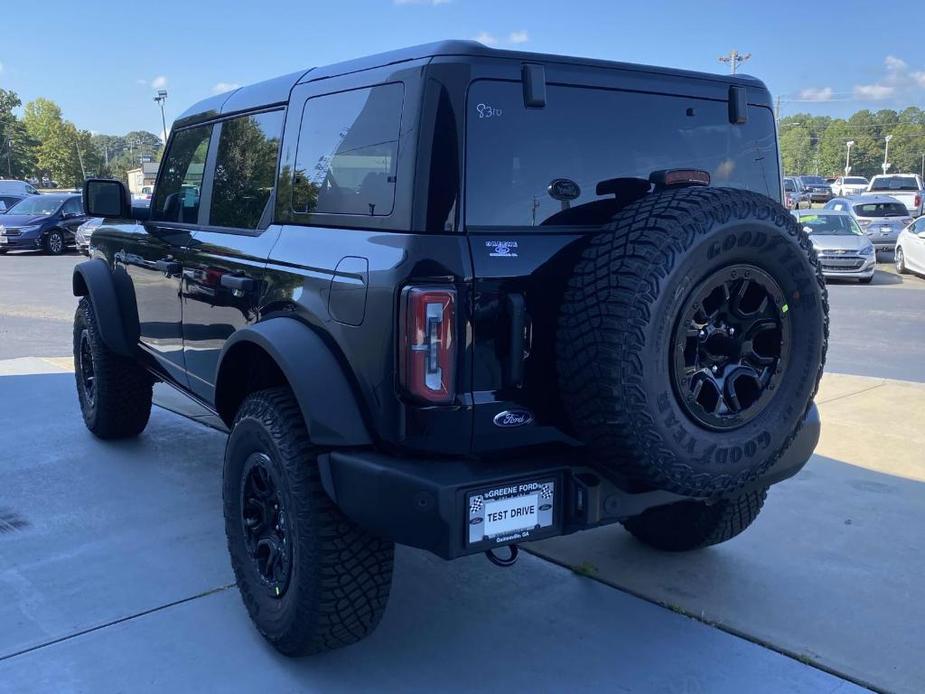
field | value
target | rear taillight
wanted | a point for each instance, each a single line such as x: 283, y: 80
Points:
x: 427, y: 351
x: 918, y: 200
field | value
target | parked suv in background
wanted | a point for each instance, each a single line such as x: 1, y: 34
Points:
x: 845, y: 186
x: 9, y: 186
x: 880, y: 217
x: 461, y: 298
x: 794, y: 196
x: 41, y: 222
x: 817, y: 189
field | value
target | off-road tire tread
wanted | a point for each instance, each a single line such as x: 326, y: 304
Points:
x: 351, y: 569
x: 606, y: 309
x: 692, y: 525
x: 123, y: 388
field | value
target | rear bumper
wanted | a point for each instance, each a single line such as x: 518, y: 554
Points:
x: 423, y: 502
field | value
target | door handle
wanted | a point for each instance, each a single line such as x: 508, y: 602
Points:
x: 241, y: 284
x: 168, y: 267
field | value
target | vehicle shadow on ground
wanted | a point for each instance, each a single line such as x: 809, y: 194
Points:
x: 116, y: 577
x: 829, y: 572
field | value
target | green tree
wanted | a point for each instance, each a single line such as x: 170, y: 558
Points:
x: 58, y: 152
x: 17, y: 158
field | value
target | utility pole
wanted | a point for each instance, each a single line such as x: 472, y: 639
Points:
x: 778, y: 112
x: 160, y: 99
x: 850, y: 143
x: 922, y: 175
x: 80, y: 158
x: 886, y: 154
x: 9, y: 159
x: 734, y: 59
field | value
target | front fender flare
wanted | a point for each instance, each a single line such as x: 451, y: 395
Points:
x: 93, y: 278
x: 325, y: 396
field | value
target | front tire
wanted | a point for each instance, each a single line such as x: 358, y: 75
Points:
x: 115, y: 393
x: 310, y: 578
x: 689, y: 525
x: 54, y: 242
x: 900, y: 261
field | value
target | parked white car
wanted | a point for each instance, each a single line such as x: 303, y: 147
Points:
x: 910, y: 248
x: 907, y: 188
x: 843, y: 186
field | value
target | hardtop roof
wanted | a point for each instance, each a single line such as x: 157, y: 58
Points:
x: 276, y: 90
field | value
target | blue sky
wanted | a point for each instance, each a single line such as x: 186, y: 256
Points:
x: 101, y: 61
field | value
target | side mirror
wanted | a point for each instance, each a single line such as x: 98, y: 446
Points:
x: 105, y: 197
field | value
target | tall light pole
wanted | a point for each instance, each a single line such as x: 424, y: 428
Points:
x: 160, y: 99
x: 922, y: 174
x: 9, y: 158
x: 886, y: 154
x: 734, y: 59
x: 850, y: 144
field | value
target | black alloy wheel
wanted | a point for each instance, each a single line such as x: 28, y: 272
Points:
x: 731, y: 345
x: 266, y: 527
x: 86, y: 370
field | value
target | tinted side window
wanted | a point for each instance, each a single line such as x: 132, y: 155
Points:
x: 348, y: 152
x: 180, y: 185
x: 73, y: 206
x: 245, y: 169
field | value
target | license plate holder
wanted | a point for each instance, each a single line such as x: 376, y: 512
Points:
x: 511, y: 512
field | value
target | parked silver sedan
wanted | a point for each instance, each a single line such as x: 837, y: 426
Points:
x: 84, y: 233
x: 880, y: 217
x: 844, y: 250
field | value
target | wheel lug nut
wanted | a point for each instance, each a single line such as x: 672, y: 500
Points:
x: 732, y: 331
x: 715, y: 369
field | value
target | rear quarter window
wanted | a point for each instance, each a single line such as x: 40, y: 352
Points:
x: 347, y: 155
x: 590, y: 135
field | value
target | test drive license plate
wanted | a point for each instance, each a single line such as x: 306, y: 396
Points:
x: 513, y: 512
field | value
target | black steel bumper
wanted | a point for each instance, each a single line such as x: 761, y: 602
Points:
x: 423, y: 502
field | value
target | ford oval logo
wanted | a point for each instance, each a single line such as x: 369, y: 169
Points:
x: 513, y: 418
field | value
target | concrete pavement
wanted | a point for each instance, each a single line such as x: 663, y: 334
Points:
x: 831, y: 572
x: 115, y: 577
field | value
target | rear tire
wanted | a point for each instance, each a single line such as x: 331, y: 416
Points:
x: 310, y: 578
x: 54, y: 242
x: 115, y: 392
x: 689, y: 525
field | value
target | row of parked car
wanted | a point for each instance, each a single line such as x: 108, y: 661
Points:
x: 51, y: 222
x: 803, y: 191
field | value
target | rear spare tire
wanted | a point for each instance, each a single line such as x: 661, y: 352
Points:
x: 692, y: 338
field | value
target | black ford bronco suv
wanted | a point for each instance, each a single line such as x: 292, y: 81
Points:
x: 461, y: 298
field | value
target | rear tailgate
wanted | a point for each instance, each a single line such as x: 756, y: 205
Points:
x: 525, y: 231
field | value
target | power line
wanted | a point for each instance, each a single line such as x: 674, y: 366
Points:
x: 734, y: 59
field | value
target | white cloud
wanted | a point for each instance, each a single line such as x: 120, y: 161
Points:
x: 816, y: 94
x: 518, y: 36
x: 141, y: 81
x: 223, y: 87
x: 894, y: 64
x: 918, y: 78
x: 874, y: 92
x: 159, y: 82
x: 487, y: 39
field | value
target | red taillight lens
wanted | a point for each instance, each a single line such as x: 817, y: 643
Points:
x: 918, y: 201
x: 427, y: 354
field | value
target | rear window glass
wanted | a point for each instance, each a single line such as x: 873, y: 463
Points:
x: 855, y: 180
x: 881, y: 209
x: 813, y: 180
x: 589, y: 136
x: 788, y: 186
x: 348, y: 152
x: 895, y: 183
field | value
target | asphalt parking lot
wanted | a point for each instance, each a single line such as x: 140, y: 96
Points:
x: 113, y: 562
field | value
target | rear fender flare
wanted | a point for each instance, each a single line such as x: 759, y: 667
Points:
x: 321, y: 387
